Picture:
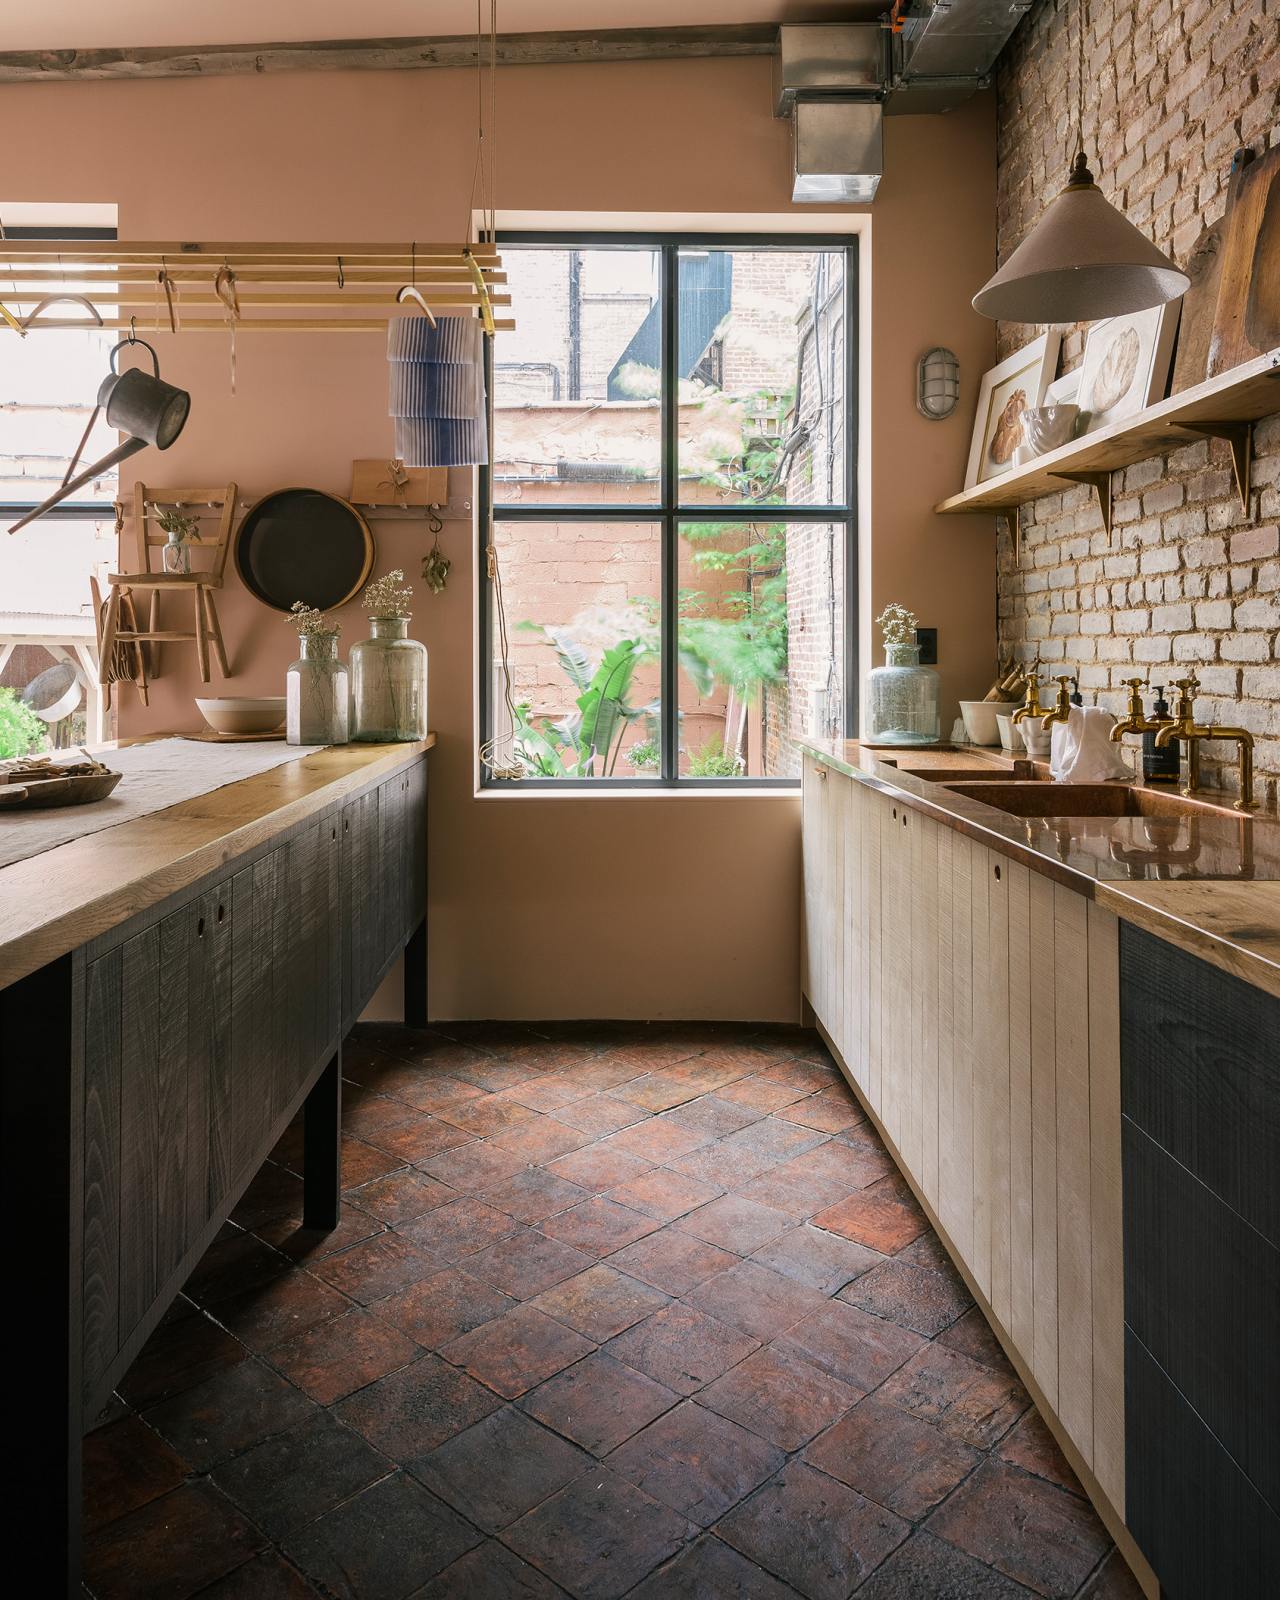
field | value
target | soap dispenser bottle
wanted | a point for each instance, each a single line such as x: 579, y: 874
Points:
x: 1160, y: 765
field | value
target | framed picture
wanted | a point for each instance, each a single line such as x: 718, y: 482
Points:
x: 1008, y: 390
x: 1126, y: 365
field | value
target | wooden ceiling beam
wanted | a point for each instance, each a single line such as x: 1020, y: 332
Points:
x: 387, y: 55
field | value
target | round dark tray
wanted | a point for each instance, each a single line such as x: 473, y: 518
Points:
x: 304, y: 544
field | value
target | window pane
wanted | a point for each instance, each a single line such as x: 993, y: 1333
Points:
x: 762, y: 376
x: 582, y: 605
x: 48, y: 383
x: 761, y: 644
x: 577, y: 409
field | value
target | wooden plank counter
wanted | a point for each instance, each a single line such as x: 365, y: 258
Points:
x: 173, y: 990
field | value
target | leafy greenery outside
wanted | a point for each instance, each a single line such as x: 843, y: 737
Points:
x: 21, y: 731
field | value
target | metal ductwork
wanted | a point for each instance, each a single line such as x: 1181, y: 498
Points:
x: 839, y: 80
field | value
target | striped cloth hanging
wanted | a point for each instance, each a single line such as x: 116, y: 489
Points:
x: 437, y: 396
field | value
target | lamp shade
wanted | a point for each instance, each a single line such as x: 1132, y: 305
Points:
x: 437, y: 395
x: 1082, y: 261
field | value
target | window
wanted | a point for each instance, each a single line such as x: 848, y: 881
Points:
x: 672, y: 498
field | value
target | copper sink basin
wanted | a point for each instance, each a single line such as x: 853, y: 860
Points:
x: 1021, y: 772
x: 1046, y: 799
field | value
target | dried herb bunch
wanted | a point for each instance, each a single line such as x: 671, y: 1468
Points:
x: 179, y: 526
x: 385, y: 596
x: 897, y: 624
x: 311, y: 623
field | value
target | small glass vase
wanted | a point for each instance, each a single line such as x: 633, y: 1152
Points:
x: 317, y: 698
x: 388, y: 684
x: 175, y: 557
x: 902, y: 699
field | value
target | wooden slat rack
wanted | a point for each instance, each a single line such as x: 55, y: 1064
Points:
x: 173, y: 286
x: 1225, y: 407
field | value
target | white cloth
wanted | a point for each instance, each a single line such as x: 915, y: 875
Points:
x: 156, y: 775
x: 1082, y: 750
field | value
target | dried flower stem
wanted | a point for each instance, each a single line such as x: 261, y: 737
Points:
x: 385, y: 597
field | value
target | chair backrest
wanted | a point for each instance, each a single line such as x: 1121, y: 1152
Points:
x: 148, y: 501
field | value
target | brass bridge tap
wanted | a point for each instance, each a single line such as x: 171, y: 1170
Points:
x: 1183, y: 725
x: 1031, y: 707
x: 1062, y: 707
x: 1135, y: 719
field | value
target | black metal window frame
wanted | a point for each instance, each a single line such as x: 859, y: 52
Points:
x: 68, y: 510
x: 670, y: 514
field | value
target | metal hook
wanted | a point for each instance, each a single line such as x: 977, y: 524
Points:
x: 342, y: 277
x: 434, y: 523
x: 133, y: 331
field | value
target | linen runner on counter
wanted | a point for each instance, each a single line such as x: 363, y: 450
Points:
x: 155, y: 776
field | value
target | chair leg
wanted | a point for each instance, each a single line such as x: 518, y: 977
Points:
x: 215, y: 632
x: 151, y: 652
x: 202, y: 637
x: 130, y: 614
x: 109, y: 627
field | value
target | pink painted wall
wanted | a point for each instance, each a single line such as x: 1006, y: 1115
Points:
x: 675, y: 906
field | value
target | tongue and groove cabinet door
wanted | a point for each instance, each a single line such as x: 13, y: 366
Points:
x: 814, y: 830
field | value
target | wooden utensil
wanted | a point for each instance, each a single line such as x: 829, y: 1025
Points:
x: 1246, y: 321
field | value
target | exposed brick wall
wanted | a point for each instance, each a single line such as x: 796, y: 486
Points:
x: 1188, y: 579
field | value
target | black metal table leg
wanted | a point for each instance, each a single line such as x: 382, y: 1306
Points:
x: 322, y: 1149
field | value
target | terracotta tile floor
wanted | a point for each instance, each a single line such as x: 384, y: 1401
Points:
x: 612, y: 1311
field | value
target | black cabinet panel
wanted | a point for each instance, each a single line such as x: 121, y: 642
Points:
x: 1197, y: 1518
x: 1202, y: 1072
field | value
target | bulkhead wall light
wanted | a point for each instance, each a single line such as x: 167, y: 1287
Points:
x: 937, y: 383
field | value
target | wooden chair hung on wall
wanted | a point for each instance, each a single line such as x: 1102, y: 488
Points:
x: 120, y: 626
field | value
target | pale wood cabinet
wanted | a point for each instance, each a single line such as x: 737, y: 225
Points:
x: 974, y: 1004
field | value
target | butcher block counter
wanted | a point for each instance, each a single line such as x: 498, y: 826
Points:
x: 173, y: 991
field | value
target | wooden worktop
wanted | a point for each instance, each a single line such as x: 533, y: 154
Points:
x: 53, y: 902
x: 1226, y: 909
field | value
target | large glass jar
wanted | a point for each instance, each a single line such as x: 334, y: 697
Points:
x: 388, y: 684
x: 902, y: 699
x: 317, y: 699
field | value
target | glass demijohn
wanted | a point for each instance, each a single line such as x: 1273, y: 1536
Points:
x: 317, y: 698
x: 902, y: 699
x: 388, y: 684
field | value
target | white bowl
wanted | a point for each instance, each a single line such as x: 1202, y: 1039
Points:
x: 980, y: 720
x: 1036, y: 736
x: 1010, y: 732
x: 243, y: 714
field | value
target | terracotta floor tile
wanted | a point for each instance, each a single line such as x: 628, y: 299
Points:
x: 877, y: 1217
x: 474, y: 1167
x: 755, y: 1300
x: 971, y: 1336
x: 729, y: 1165
x: 228, y: 1412
x: 342, y: 1355
x: 673, y: 1262
x: 418, y: 1136
x: 597, y: 1114
x: 266, y: 1577
x: 598, y: 1536
x: 928, y: 1251
x: 435, y: 1093
x: 713, y: 1116
x: 799, y: 1196
x: 494, y: 1076
x: 274, y: 1192
x: 554, y: 1091
x: 913, y: 1297
x: 169, y: 1548
x: 970, y: 1401
x: 442, y: 1308
x: 1032, y: 1447
x: 1113, y: 1581
x: 401, y: 1196
x: 925, y: 1566
x: 527, y: 1263
x: 813, y: 1532
x: 823, y: 1260
x: 697, y: 1462
x: 893, y: 1458
x: 599, y: 1403
x: 780, y: 1396
x: 651, y: 1055
x: 459, y: 1229
x: 409, y: 1413
x: 294, y: 1477
x: 542, y: 1141
x: 664, y: 1194
x: 489, y: 1572
x: 177, y: 1356
x: 517, y: 1350
x: 597, y: 1170
x: 804, y: 1075
x: 366, y: 1114
x: 533, y: 1194
x: 772, y: 1137
x: 852, y: 1345
x: 313, y: 1244
x: 383, y: 1543
x: 607, y: 1072
x: 828, y: 1112
x: 658, y: 1091
x: 126, y: 1465
x: 500, y: 1468
x: 599, y: 1226
x: 655, y: 1140
x: 1030, y: 1530
x: 362, y: 1161
x: 488, y: 1114
x: 378, y: 1267
x: 279, y: 1308
x: 836, y: 1162
x: 681, y: 1348
x: 734, y: 1223
x: 763, y: 1094
x: 231, y: 1265
x: 600, y: 1302
x: 712, y: 1570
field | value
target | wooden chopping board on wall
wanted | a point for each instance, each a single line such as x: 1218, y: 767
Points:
x: 1246, y: 321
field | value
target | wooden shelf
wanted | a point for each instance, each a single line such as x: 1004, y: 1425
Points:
x: 1224, y: 407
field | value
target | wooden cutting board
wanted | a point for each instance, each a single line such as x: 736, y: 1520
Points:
x: 1246, y: 321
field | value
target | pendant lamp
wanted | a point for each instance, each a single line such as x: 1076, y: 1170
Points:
x: 1083, y: 260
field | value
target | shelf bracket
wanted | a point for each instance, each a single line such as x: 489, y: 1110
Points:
x: 1239, y: 435
x: 1101, y: 484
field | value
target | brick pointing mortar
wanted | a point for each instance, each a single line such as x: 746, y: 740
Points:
x: 1188, y: 580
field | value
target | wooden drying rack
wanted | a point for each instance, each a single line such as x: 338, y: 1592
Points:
x: 176, y: 286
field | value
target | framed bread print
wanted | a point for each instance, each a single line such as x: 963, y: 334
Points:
x: 1011, y: 388
x: 1126, y: 365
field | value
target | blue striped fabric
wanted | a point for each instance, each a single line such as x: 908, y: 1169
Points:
x: 436, y: 389
x: 441, y: 442
x: 452, y: 339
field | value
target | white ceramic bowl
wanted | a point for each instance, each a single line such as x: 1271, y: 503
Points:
x: 980, y: 720
x: 1010, y: 732
x: 1036, y: 736
x: 243, y: 714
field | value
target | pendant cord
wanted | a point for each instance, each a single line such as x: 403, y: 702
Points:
x: 1082, y: 18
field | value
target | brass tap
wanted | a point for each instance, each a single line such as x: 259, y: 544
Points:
x: 1136, y: 720
x: 1062, y: 708
x: 1031, y: 707
x: 1183, y: 725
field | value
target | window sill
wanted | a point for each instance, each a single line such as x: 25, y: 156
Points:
x: 501, y: 792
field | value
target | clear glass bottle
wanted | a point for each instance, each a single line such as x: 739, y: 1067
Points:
x: 902, y: 699
x: 174, y: 555
x: 388, y: 684
x: 317, y: 698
